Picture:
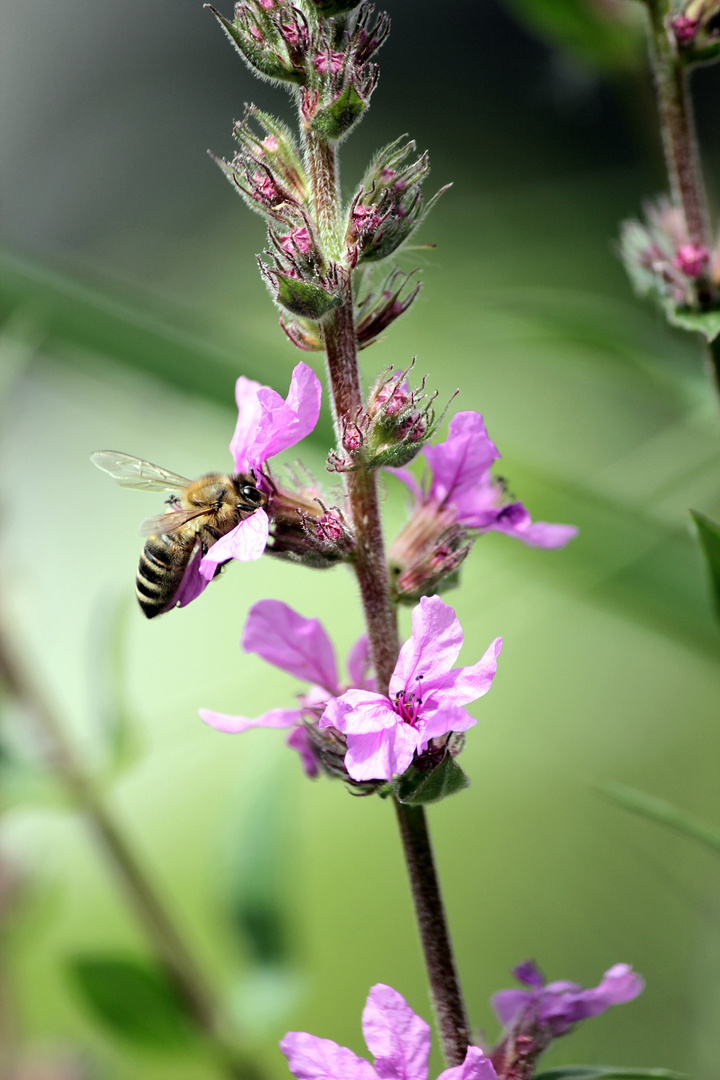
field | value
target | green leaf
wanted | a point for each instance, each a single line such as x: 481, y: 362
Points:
x: 336, y: 119
x: 709, y: 537
x: 662, y: 812
x: 255, y: 901
x: 417, y: 787
x: 135, y: 1001
x: 706, y: 323
x: 610, y: 37
x: 108, y: 678
x: 132, y: 328
x: 98, y: 320
x: 606, y: 1072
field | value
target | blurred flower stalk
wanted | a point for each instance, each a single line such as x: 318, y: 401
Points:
x: 673, y: 256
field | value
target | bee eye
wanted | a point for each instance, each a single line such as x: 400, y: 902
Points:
x: 250, y: 495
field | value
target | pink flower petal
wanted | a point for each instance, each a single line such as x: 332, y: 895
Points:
x: 461, y: 462
x: 246, y: 542
x: 292, y: 643
x: 433, y: 648
x: 192, y: 584
x: 475, y: 1067
x: 535, y: 534
x: 463, y: 685
x: 359, y: 664
x: 233, y: 725
x: 310, y: 1058
x: 248, y: 423
x: 398, y: 1039
x: 439, y: 722
x: 284, y: 423
x: 406, y: 477
x: 509, y: 1004
x: 358, y: 712
x: 299, y: 740
x: 380, y: 755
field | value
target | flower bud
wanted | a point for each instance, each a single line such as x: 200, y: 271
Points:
x: 267, y: 170
x: 375, y: 311
x: 397, y: 424
x: 664, y: 263
x: 389, y: 204
x: 272, y: 36
x: 425, y: 556
x: 304, y: 530
x: 696, y: 31
x: 303, y: 334
x: 692, y: 260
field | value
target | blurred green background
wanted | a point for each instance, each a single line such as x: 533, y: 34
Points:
x: 130, y: 303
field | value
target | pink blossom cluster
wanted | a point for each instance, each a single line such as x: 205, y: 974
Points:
x: 383, y: 733
x: 380, y: 735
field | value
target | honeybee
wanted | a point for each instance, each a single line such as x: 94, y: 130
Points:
x: 200, y: 512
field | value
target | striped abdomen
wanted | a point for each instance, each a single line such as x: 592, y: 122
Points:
x: 161, y: 569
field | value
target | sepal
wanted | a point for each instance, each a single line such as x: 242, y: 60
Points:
x: 420, y: 786
x: 303, y: 298
x: 335, y: 120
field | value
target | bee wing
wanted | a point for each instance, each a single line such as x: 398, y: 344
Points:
x: 168, y: 522
x: 133, y: 472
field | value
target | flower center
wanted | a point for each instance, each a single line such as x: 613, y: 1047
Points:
x: 407, y: 706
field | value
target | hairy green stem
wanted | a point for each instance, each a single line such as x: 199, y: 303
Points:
x: 338, y: 329
x: 168, y: 946
x: 678, y: 127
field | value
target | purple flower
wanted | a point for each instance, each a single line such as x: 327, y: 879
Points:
x: 300, y: 647
x: 426, y: 700
x: 266, y: 426
x: 460, y: 483
x: 398, y: 1040
x: 557, y: 1006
